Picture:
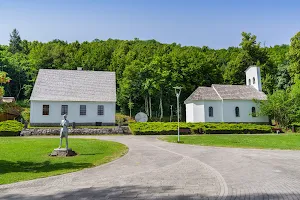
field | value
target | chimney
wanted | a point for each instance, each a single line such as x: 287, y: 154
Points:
x: 79, y: 68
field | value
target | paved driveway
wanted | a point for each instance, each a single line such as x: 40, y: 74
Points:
x: 154, y: 169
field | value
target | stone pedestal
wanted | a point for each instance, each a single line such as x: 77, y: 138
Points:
x: 63, y: 152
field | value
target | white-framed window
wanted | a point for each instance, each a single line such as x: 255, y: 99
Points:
x: 100, y: 109
x: 210, y: 111
x: 253, y: 81
x: 237, y: 112
x: 82, y: 109
x: 64, y: 109
x: 46, y: 109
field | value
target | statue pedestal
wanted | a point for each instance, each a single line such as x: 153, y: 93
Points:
x: 63, y: 152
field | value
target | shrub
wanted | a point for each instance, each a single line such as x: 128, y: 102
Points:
x: 11, y: 108
x: 155, y: 128
x: 10, y: 128
x: 123, y: 119
x: 26, y: 114
x: 170, y: 128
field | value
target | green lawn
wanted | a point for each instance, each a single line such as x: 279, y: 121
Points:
x: 27, y: 158
x: 268, y: 141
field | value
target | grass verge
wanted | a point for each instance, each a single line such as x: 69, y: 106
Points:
x: 27, y: 158
x: 268, y: 141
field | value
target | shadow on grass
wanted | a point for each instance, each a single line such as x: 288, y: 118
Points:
x: 35, y: 167
x: 142, y: 192
x: 90, y: 154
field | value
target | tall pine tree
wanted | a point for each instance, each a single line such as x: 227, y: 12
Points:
x: 15, y: 42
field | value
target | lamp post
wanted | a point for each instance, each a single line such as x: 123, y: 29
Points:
x: 171, y: 114
x: 177, y: 92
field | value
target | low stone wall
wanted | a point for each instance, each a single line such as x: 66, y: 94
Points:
x: 76, y: 131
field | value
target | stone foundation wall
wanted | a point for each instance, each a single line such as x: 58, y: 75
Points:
x: 76, y: 124
x: 76, y: 131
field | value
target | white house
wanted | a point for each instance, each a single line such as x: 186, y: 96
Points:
x: 87, y: 97
x: 228, y: 103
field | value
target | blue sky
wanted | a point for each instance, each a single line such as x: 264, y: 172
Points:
x: 213, y: 23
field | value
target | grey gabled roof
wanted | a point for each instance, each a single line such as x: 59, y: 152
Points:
x: 203, y: 93
x: 74, y: 85
x: 236, y: 92
x: 226, y: 92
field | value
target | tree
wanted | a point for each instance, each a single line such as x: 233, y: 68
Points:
x: 147, y: 71
x: 283, y: 106
x: 294, y: 57
x: 250, y: 54
x: 3, y: 79
x: 275, y: 107
x: 15, y: 42
x: 130, y: 106
x: 235, y: 70
x: 283, y: 77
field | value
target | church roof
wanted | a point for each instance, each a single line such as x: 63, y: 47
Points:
x: 226, y: 92
x: 74, y: 85
x: 204, y: 93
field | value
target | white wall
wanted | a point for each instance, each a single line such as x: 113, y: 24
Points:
x: 189, y: 112
x: 217, y: 111
x: 245, y: 107
x: 195, y: 112
x: 36, y: 112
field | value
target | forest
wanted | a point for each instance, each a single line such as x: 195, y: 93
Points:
x: 148, y: 70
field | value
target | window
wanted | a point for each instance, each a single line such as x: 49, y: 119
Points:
x: 100, y: 110
x: 82, y: 109
x: 210, y: 111
x: 249, y: 81
x: 253, y: 112
x: 45, y: 109
x: 253, y: 80
x: 237, y: 111
x: 64, y: 109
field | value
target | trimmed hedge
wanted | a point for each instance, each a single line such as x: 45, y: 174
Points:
x: 170, y: 128
x: 10, y: 128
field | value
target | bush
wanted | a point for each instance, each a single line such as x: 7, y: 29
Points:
x: 170, y: 128
x: 123, y: 119
x: 10, y: 128
x: 26, y: 114
x: 11, y: 108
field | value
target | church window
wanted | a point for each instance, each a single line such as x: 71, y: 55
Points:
x: 210, y: 111
x: 237, y: 111
x: 253, y: 112
x: 253, y: 80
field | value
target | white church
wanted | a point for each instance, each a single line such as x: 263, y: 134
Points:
x: 228, y: 103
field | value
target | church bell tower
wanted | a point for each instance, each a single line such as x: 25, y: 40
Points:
x: 253, y: 77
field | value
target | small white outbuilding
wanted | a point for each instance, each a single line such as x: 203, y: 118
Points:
x: 87, y: 97
x: 228, y: 103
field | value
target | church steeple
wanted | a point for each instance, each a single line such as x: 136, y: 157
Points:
x: 253, y: 77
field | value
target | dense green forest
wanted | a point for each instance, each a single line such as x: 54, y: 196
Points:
x: 148, y: 70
